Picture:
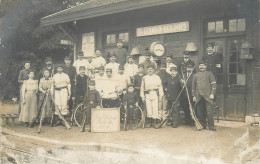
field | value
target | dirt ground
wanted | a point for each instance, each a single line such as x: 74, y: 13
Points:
x: 233, y: 142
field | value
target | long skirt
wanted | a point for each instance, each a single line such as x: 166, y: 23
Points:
x: 46, y: 105
x: 29, y: 109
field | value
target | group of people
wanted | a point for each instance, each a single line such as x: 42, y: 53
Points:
x: 156, y: 90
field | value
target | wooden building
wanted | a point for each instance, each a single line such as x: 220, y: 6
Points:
x: 228, y: 24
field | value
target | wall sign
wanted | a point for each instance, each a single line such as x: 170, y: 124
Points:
x: 163, y: 29
x: 105, y: 119
x: 88, y: 44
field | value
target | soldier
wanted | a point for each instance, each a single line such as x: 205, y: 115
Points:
x: 183, y: 65
x: 81, y: 62
x: 121, y: 53
x: 98, y: 61
x: 109, y: 91
x: 184, y: 97
x: 169, y: 63
x: 164, y: 76
x: 113, y: 65
x: 81, y: 84
x: 212, y: 60
x: 71, y: 72
x: 62, y: 90
x: 173, y: 86
x: 91, y: 99
x: 148, y: 62
x: 131, y: 69
x: 203, y: 91
x: 48, y: 65
x: 130, y: 102
x: 151, y: 93
x: 137, y: 83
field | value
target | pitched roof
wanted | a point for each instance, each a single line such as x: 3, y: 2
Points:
x: 95, y: 8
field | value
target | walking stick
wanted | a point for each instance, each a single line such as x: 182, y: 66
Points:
x: 126, y: 115
x: 32, y: 123
x: 171, y: 110
x: 192, y: 113
x: 43, y: 113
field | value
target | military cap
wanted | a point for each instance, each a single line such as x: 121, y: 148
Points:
x: 129, y: 56
x: 48, y: 59
x: 101, y: 68
x: 92, y: 82
x: 119, y: 41
x: 59, y: 65
x: 186, y: 52
x: 130, y: 85
x: 121, y: 67
x: 140, y: 66
x: 163, y: 64
x: 203, y: 62
x: 190, y: 65
x: 82, y: 68
x: 150, y: 66
x: 173, y: 68
x: 169, y: 56
x: 80, y: 53
x: 109, y: 70
x: 210, y: 44
x: 67, y: 58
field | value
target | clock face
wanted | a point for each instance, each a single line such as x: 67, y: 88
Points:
x: 158, y: 49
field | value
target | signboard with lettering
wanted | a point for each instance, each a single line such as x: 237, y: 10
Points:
x: 163, y: 29
x: 88, y: 44
x: 105, y: 120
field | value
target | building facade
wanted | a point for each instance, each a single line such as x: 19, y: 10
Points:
x: 228, y: 24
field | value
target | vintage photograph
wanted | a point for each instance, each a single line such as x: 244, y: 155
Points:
x: 130, y: 81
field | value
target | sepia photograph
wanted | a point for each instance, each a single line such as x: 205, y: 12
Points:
x: 130, y: 81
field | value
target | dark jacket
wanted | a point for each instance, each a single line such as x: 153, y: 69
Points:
x: 212, y: 61
x: 203, y: 84
x: 130, y: 98
x: 173, y: 87
x: 23, y: 75
x: 92, y: 98
x: 182, y: 68
x: 121, y: 54
x: 138, y: 80
x: 51, y: 70
x: 164, y: 76
x: 71, y: 72
x: 81, y: 85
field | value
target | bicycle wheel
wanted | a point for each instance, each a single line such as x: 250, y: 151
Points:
x: 138, y: 117
x: 78, y: 114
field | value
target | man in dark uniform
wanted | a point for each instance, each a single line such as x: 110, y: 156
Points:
x: 137, y: 83
x: 121, y: 53
x: 203, y: 91
x: 81, y: 84
x: 91, y: 100
x: 212, y: 60
x: 49, y: 65
x: 184, y: 102
x: 183, y: 65
x: 173, y: 86
x: 71, y: 72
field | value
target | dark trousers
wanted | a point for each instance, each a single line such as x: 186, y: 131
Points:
x: 184, y: 103
x: 111, y: 103
x: 130, y: 116
x: 205, y: 111
x: 140, y: 101
x: 175, y: 111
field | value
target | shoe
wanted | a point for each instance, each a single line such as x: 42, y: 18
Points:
x: 212, y: 129
x: 174, y: 126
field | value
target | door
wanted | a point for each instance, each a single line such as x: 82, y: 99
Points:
x: 231, y: 78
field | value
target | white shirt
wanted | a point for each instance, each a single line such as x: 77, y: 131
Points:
x: 131, y: 69
x: 168, y: 66
x: 109, y: 90
x: 151, y: 82
x: 100, y: 81
x: 122, y: 81
x: 60, y: 80
x: 114, y: 67
x: 83, y: 62
x: 98, y: 62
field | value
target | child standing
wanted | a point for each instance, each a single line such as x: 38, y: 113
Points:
x: 130, y: 102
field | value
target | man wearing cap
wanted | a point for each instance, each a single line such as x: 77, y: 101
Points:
x: 164, y: 76
x: 148, y: 62
x: 108, y: 92
x: 71, y: 72
x: 81, y: 84
x: 169, y: 63
x: 183, y: 65
x: 131, y: 69
x: 121, y: 53
x: 113, y: 65
x: 122, y: 79
x: 212, y: 60
x: 98, y: 61
x: 62, y: 90
x: 138, y: 78
x: 48, y: 65
x: 151, y: 92
x: 99, y: 79
x: 203, y: 91
x: 173, y: 86
x: 81, y: 62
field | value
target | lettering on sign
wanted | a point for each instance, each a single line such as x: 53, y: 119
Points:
x: 88, y: 44
x: 163, y: 29
x: 105, y: 120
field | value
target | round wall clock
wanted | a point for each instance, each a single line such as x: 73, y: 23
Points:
x: 157, y: 48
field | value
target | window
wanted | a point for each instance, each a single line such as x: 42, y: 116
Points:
x: 215, y: 27
x: 113, y: 37
x: 236, y: 25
